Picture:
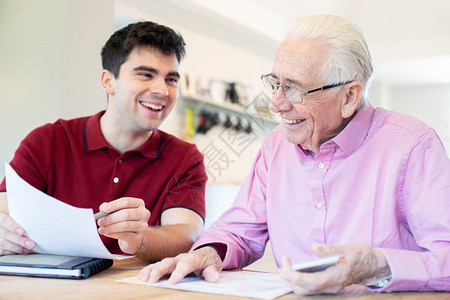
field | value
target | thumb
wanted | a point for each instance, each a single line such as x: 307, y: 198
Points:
x: 104, y: 207
x: 286, y: 264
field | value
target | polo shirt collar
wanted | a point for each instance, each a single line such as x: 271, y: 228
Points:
x: 94, y: 139
x: 356, y: 131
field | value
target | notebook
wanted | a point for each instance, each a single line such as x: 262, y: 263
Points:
x: 53, y: 266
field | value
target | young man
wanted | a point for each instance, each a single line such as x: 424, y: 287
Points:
x: 117, y: 161
x: 337, y: 177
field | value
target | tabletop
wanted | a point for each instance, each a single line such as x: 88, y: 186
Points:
x: 104, y: 286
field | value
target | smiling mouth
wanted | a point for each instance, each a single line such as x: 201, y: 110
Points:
x: 151, y: 106
x: 293, y: 121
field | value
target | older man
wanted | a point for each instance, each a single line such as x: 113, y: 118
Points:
x: 337, y: 177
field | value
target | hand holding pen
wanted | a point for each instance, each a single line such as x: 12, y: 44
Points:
x: 124, y: 219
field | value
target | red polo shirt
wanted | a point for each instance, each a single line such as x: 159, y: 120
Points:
x: 71, y: 161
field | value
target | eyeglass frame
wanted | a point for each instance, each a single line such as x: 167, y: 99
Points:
x: 302, y: 94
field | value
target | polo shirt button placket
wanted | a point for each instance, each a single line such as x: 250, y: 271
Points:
x: 116, y: 178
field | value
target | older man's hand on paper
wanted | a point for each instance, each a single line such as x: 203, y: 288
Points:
x: 127, y: 221
x: 359, y: 264
x: 204, y: 262
x: 12, y: 235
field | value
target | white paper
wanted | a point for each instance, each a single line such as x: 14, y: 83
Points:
x: 250, y: 284
x: 55, y: 227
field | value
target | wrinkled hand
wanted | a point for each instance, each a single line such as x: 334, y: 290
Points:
x: 12, y: 237
x: 127, y: 222
x: 359, y: 264
x: 204, y: 262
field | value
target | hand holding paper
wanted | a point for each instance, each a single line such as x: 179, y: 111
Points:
x: 56, y: 227
x: 12, y: 236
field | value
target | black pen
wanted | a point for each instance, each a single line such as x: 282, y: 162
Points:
x: 99, y: 215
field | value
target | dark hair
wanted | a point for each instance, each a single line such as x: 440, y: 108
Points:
x: 141, y: 34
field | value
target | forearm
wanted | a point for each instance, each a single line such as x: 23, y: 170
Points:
x: 236, y: 251
x: 3, y: 204
x: 166, y: 241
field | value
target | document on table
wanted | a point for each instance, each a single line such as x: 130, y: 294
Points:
x: 56, y: 227
x: 250, y: 284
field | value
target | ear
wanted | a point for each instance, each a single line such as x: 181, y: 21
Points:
x: 108, y: 81
x: 352, y: 97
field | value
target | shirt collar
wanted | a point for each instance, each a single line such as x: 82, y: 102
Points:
x: 356, y: 131
x: 94, y: 139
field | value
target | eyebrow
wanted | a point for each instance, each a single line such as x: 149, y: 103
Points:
x: 155, y: 71
x: 291, y: 81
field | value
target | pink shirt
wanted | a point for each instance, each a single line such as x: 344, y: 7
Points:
x: 384, y: 180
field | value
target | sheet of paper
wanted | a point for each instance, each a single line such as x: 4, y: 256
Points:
x: 250, y: 284
x: 56, y: 227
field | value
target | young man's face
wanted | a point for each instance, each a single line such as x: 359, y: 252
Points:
x: 145, y: 91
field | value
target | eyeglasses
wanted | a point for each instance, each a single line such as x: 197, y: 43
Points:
x: 291, y: 91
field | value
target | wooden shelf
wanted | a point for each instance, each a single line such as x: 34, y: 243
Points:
x: 202, y: 102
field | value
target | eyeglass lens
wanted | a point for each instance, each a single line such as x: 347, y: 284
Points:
x: 291, y: 93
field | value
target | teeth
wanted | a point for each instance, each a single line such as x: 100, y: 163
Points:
x: 292, y: 122
x: 152, y: 106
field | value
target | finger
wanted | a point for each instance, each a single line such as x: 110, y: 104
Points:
x: 309, y: 283
x: 125, y: 215
x: 144, y: 274
x: 327, y: 281
x: 150, y: 274
x: 197, y: 261
x: 286, y: 272
x: 211, y: 274
x: 154, y: 272
x: 298, y: 290
x: 12, y: 237
x: 188, y: 264
x: 121, y: 203
x: 302, y: 283
x: 117, y: 230
x: 286, y: 265
x: 12, y: 243
x: 9, y: 224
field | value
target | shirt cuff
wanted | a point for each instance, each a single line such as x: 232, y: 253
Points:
x: 382, y: 282
x: 221, y: 249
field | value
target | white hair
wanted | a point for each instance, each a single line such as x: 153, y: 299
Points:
x: 349, y: 56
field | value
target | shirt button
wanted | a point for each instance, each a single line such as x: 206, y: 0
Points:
x: 321, y: 165
x: 116, y: 179
x: 120, y: 161
x: 319, y: 205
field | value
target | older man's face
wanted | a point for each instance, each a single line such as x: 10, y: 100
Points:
x: 319, y: 117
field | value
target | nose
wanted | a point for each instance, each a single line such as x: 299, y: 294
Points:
x: 159, y: 87
x: 279, y: 102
